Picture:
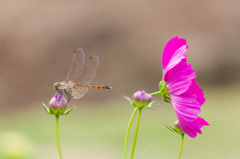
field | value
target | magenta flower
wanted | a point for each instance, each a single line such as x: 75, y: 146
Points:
x: 180, y: 88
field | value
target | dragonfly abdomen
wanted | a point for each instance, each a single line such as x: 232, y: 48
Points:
x: 95, y: 86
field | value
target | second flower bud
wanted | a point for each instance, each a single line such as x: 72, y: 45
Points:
x: 141, y: 99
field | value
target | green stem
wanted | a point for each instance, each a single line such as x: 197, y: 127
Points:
x: 136, y: 133
x: 155, y: 93
x: 127, y: 133
x: 57, y: 135
x: 181, y: 148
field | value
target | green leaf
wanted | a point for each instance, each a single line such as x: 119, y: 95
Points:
x: 147, y: 148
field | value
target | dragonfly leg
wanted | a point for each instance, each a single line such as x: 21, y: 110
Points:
x: 61, y: 92
x: 68, y: 95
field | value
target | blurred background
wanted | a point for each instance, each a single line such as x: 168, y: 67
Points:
x: 37, y: 41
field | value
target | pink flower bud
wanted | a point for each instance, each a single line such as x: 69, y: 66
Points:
x: 177, y: 127
x: 58, y: 103
x: 141, y: 98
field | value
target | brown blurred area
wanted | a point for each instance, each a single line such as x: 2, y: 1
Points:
x: 38, y: 38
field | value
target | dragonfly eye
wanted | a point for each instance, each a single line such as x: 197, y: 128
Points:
x: 56, y: 85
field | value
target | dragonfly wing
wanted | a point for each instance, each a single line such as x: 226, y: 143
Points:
x: 77, y: 64
x: 89, y: 71
x: 78, y: 93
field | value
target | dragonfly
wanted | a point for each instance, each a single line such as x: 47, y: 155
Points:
x: 79, y: 76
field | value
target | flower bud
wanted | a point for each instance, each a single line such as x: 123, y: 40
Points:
x: 58, y: 104
x: 142, y: 99
x: 177, y: 127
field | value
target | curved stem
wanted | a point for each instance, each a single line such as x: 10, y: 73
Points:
x: 181, y: 148
x: 57, y: 135
x: 155, y: 93
x: 127, y: 133
x: 136, y: 133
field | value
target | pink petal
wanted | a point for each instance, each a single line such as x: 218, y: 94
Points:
x: 202, y: 121
x: 173, y: 51
x: 194, y: 88
x: 188, y: 130
x: 191, y: 129
x: 179, y: 78
x: 187, y: 107
x: 186, y: 110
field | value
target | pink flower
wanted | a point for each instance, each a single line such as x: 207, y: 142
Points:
x: 182, y: 89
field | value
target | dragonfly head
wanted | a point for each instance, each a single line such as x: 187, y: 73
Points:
x: 56, y: 85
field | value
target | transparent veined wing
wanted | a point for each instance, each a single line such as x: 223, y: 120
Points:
x: 89, y: 71
x: 79, y: 92
x: 77, y: 65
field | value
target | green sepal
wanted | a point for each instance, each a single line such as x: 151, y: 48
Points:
x: 129, y: 100
x: 69, y: 110
x: 172, y: 129
x: 164, y: 92
x: 46, y: 108
x: 141, y: 105
x: 161, y: 86
x: 152, y: 105
x: 50, y: 111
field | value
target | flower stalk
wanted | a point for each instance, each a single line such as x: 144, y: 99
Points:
x: 136, y: 133
x: 181, y: 148
x: 57, y: 136
x: 127, y: 133
x: 155, y: 93
x: 141, y: 100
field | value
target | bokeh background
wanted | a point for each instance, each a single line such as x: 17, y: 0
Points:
x: 37, y: 41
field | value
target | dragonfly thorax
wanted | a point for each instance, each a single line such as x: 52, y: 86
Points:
x: 64, y: 85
